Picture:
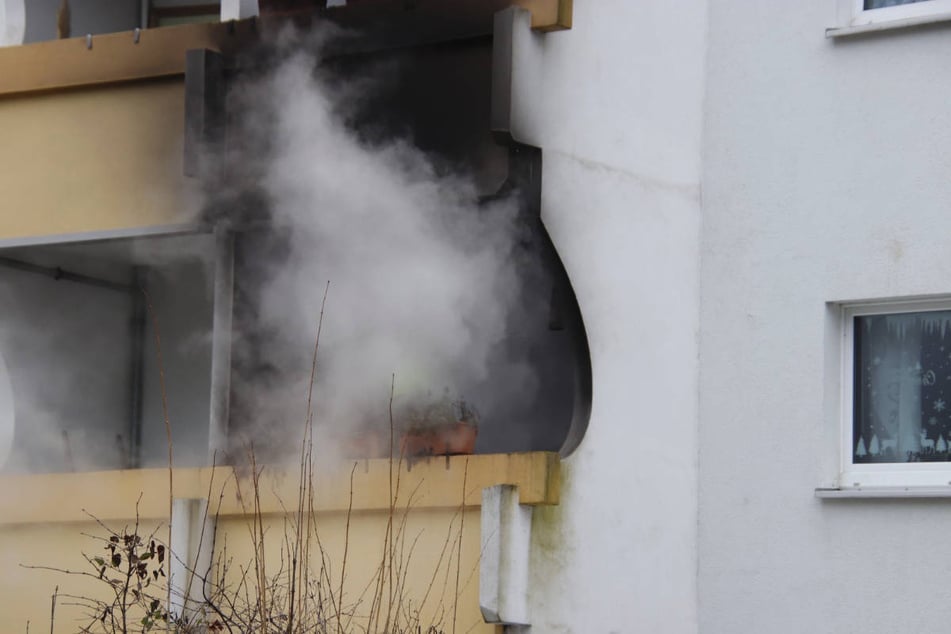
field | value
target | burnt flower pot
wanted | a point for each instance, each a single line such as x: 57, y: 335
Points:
x: 445, y: 439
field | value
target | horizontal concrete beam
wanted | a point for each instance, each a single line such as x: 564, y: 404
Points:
x: 425, y: 484
x: 113, y: 58
x: 160, y: 52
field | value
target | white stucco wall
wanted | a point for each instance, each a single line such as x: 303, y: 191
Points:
x: 238, y: 9
x: 615, y: 103
x: 825, y: 178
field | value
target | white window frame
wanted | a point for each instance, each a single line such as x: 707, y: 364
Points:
x: 854, y: 18
x: 902, y: 475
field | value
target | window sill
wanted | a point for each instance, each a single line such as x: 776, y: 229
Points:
x: 888, y: 25
x: 884, y: 492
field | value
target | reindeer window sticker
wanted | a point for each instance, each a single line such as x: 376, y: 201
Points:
x: 902, y: 394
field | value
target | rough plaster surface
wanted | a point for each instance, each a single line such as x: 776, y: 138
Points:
x: 621, y: 199
x: 825, y: 179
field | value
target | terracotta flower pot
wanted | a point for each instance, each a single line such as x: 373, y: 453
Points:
x: 448, y: 439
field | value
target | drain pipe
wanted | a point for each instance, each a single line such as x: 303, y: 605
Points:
x: 59, y: 274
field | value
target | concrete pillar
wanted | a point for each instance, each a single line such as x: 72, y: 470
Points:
x: 506, y: 546
x: 238, y: 9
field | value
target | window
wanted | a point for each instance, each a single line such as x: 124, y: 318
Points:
x: 896, y: 426
x: 881, y: 4
x: 172, y: 15
x: 79, y: 383
x: 858, y: 16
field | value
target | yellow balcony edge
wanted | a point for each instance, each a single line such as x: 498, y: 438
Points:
x: 430, y: 483
x: 548, y: 15
x: 160, y: 52
x: 113, y: 57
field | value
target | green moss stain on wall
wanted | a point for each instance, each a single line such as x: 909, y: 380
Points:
x: 549, y: 537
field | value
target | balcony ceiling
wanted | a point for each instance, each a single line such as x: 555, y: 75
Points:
x: 394, y: 23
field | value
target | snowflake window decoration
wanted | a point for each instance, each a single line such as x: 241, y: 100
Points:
x: 902, y: 386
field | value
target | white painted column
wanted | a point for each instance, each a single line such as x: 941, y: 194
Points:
x: 238, y: 9
x: 506, y: 546
x: 190, y: 553
x: 12, y: 22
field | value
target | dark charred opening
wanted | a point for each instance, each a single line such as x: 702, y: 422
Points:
x: 233, y: 376
x: 437, y: 96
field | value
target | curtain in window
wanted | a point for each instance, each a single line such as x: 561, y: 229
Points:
x: 902, y: 387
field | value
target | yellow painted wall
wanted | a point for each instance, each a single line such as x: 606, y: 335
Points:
x: 25, y: 594
x: 92, y: 159
x: 428, y: 559
x: 43, y: 518
x: 426, y: 548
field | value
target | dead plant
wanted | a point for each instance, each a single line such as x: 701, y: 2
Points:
x: 298, y: 593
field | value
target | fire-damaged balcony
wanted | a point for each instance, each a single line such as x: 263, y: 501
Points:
x: 194, y: 214
x: 447, y: 100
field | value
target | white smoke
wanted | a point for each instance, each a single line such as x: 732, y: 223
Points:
x: 425, y: 284
x: 7, y: 413
x: 421, y: 278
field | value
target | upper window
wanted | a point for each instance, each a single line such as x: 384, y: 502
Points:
x: 897, y: 428
x: 172, y: 14
x: 864, y: 15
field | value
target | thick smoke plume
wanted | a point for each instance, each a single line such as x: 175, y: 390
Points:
x: 430, y: 290
x: 422, y: 278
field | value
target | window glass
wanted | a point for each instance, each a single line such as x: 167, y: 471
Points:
x: 880, y: 4
x: 902, y: 409
x: 79, y: 371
